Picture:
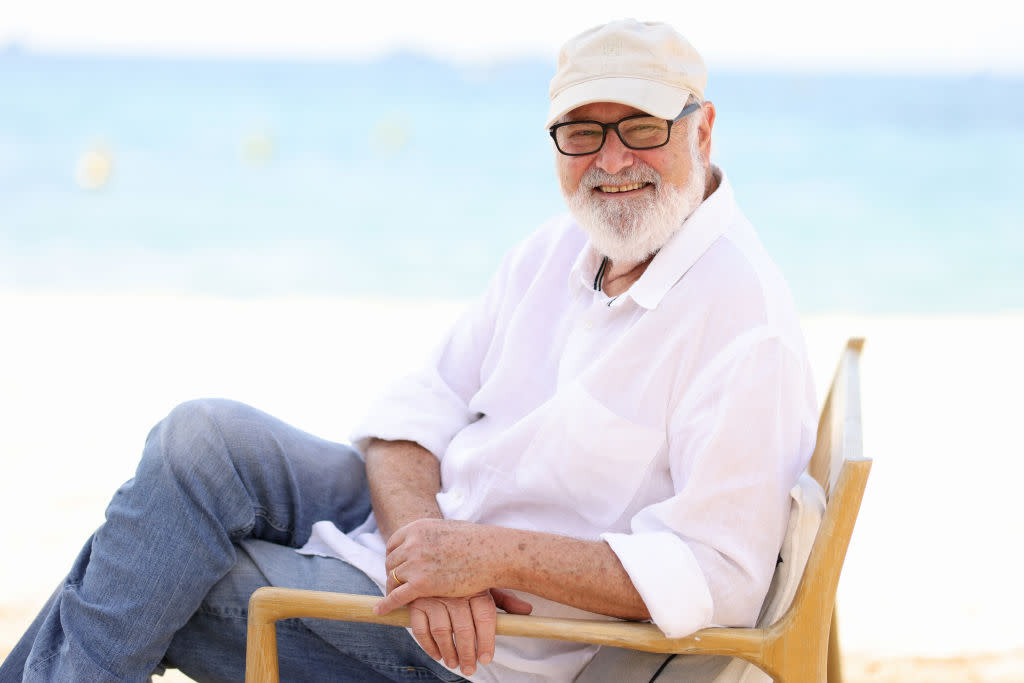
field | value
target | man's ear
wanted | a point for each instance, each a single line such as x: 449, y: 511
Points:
x: 704, y: 130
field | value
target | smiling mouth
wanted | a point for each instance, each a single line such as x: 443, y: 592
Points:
x: 613, y: 189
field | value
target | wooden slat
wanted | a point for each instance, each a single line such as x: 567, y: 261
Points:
x: 799, y: 641
x: 289, y: 603
x: 834, y: 668
x: 839, y: 427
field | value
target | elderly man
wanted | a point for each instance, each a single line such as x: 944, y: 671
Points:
x: 612, y: 429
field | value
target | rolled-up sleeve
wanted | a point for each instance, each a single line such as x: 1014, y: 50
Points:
x: 430, y: 406
x: 738, y: 439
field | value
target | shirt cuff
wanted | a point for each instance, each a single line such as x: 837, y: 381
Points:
x: 670, y: 581
x: 419, y: 410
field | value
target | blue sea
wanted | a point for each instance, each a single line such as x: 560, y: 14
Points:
x: 408, y: 177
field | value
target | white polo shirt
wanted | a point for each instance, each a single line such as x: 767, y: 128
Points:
x: 670, y: 421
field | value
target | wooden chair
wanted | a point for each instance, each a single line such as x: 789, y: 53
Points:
x: 801, y: 646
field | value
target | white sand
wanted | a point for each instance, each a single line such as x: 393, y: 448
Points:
x: 935, y: 561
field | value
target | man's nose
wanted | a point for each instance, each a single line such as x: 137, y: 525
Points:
x: 614, y: 156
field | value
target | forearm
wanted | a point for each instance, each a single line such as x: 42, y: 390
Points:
x: 454, y: 559
x: 583, y: 574
x: 404, y: 479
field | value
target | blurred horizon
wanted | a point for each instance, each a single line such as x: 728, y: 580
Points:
x: 15, y: 50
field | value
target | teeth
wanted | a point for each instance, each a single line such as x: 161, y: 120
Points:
x: 621, y: 188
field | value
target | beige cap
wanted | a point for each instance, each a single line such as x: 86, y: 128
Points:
x: 641, y: 64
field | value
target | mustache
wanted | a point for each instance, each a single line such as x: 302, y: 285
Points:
x: 637, y: 173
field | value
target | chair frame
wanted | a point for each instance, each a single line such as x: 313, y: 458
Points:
x: 801, y: 646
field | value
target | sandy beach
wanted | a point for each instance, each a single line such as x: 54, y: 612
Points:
x: 931, y: 587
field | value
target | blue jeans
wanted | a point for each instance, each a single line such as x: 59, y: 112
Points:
x: 222, y: 495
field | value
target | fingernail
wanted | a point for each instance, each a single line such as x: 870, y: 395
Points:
x: 485, y: 659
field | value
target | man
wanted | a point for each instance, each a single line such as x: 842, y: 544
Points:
x: 612, y: 429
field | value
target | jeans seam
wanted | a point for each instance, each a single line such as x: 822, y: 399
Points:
x: 260, y: 511
x: 43, y: 660
x: 242, y: 532
x: 39, y: 661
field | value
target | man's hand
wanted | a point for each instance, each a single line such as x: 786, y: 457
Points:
x: 461, y: 630
x: 441, y: 569
x: 440, y: 558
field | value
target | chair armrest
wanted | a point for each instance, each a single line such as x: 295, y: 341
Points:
x: 270, y: 604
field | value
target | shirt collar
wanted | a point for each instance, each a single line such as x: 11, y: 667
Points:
x: 705, y: 225
x: 699, y: 231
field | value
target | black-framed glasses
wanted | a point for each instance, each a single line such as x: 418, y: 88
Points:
x: 639, y: 131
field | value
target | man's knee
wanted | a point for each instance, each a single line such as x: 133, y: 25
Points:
x: 196, y: 438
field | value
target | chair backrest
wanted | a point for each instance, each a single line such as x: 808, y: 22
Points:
x: 802, y: 634
x: 839, y: 439
x: 839, y: 429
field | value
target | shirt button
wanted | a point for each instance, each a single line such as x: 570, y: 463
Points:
x: 588, y: 325
x: 457, y: 496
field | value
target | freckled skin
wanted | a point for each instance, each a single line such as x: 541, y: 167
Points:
x: 445, y: 558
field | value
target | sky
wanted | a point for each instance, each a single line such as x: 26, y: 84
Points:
x: 909, y: 36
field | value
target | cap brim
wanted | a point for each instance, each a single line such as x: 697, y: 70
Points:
x: 659, y: 99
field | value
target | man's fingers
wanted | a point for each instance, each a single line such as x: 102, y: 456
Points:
x: 484, y: 620
x: 401, y: 595
x: 464, y: 633
x: 439, y: 629
x: 510, y: 602
x: 421, y: 632
x: 396, y: 539
x: 435, y: 632
x: 394, y: 574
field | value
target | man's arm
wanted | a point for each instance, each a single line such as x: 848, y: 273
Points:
x: 404, y: 478
x: 450, y: 558
x: 459, y: 559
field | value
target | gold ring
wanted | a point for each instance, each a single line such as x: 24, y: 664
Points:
x: 395, y: 576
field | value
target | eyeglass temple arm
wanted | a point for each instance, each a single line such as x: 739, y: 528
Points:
x: 692, y: 107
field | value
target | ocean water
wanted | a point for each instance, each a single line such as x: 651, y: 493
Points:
x: 406, y: 177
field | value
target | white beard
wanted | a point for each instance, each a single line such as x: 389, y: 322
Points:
x: 631, y: 230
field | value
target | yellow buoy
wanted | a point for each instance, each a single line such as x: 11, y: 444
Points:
x: 258, y: 148
x: 94, y: 168
x: 391, y: 134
